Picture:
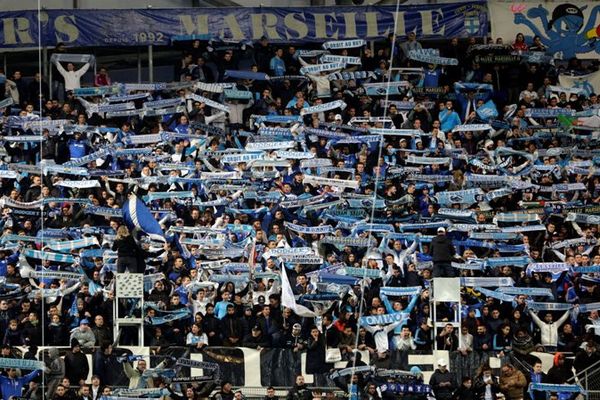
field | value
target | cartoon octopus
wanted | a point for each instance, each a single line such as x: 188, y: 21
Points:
x: 564, y: 33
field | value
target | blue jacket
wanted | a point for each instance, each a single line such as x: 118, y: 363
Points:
x: 13, y: 387
x: 12, y: 259
x: 77, y: 148
x: 449, y: 120
x: 277, y: 65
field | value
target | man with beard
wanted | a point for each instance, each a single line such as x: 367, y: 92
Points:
x: 299, y: 391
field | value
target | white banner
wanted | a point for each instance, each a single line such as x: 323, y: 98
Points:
x: 329, y: 58
x: 548, y: 20
x: 589, y: 83
x: 259, y: 146
x: 319, y: 181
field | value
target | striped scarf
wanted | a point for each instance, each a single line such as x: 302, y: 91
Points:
x: 71, y: 245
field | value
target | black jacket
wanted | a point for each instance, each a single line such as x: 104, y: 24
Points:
x: 299, y: 393
x: 479, y: 386
x: 76, y: 367
x: 125, y: 247
x: 441, y: 249
x: 231, y: 327
x: 439, y: 377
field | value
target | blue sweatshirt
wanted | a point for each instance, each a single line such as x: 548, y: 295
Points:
x: 14, y: 387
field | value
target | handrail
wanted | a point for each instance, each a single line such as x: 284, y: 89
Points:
x: 595, y: 366
x: 525, y: 366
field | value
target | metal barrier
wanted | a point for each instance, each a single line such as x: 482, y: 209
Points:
x: 589, y: 379
x: 253, y: 392
x: 593, y: 395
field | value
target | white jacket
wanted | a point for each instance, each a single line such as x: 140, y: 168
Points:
x: 72, y: 78
x: 549, y: 332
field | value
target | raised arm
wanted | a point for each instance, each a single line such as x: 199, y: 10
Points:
x: 81, y: 71
x: 536, y: 319
x: 60, y: 68
x: 564, y: 317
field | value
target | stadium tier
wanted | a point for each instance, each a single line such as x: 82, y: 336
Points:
x: 309, y: 205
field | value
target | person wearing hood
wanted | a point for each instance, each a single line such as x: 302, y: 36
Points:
x: 442, y: 381
x: 76, y: 364
x: 523, y: 342
x: 417, y: 380
x: 56, y: 372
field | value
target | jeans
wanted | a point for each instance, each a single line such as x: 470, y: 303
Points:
x: 443, y: 270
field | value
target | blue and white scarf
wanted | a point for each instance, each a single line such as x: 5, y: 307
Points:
x: 21, y: 364
x: 346, y: 75
x: 386, y: 319
x: 318, y: 108
x: 208, y: 102
x: 487, y: 282
x: 431, y: 56
x: 318, y: 68
x: 343, y: 44
x: 468, y: 196
x: 310, y: 230
x: 329, y: 58
x: 45, y: 255
x: 549, y: 306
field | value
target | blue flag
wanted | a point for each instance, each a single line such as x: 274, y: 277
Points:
x: 487, y: 111
x: 138, y: 218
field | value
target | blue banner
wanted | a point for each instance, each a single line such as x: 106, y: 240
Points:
x: 298, y: 24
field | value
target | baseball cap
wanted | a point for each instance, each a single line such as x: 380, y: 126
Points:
x: 441, y: 230
x: 442, y: 363
x: 297, y: 326
x: 338, y: 117
x: 84, y: 321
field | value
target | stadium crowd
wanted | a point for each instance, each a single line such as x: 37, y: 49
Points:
x: 439, y: 171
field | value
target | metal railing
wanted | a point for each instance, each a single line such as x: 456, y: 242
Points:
x: 589, y: 379
x: 521, y: 364
x: 257, y: 392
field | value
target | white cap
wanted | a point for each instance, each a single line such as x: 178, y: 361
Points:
x: 441, y: 230
x: 338, y: 116
x: 442, y: 363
